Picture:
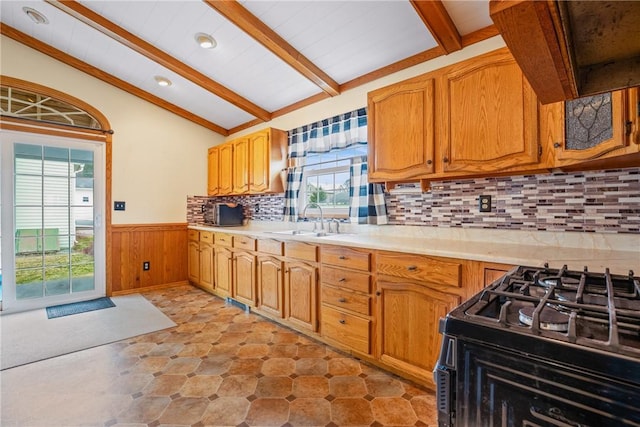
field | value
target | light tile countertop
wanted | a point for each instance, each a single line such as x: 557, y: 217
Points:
x: 597, y: 251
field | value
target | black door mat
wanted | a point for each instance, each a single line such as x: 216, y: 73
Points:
x: 79, y: 307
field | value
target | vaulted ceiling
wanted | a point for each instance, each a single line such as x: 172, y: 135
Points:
x: 271, y: 57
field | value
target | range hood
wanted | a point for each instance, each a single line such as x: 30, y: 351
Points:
x: 569, y: 49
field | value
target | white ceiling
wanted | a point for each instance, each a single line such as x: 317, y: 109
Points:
x: 344, y: 39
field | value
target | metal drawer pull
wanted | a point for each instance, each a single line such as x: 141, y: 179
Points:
x: 412, y: 268
x: 342, y: 299
x: 342, y: 321
x: 342, y: 257
x: 342, y: 279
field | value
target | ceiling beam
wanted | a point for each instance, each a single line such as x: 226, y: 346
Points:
x: 250, y: 24
x: 135, y: 43
x: 65, y: 58
x: 439, y: 23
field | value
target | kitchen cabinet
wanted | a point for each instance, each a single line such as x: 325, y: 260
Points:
x: 223, y: 264
x: 489, y: 117
x: 244, y: 278
x: 213, y: 179
x: 412, y: 296
x: 301, y: 284
x: 200, y: 259
x: 241, y: 166
x: 225, y: 169
x: 595, y: 128
x: 249, y: 165
x: 345, y: 316
x: 402, y: 130
x: 475, y: 118
x: 270, y: 277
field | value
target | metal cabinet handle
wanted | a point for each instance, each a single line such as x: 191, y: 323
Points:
x: 342, y: 279
x: 378, y: 293
x: 429, y: 161
x: 342, y: 321
x: 342, y: 299
x: 446, y: 160
x: 557, y: 145
x: 412, y: 268
x: 342, y: 257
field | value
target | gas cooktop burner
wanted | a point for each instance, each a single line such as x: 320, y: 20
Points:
x: 550, y: 319
x: 568, y: 282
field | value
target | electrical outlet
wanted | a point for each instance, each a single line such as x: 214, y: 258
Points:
x: 118, y: 206
x: 203, y: 208
x: 146, y: 265
x: 257, y: 207
x: 485, y: 203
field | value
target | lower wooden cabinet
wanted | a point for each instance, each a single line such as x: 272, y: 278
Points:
x: 271, y: 285
x: 200, y: 259
x: 348, y: 329
x: 193, y: 257
x: 244, y: 278
x: 301, y: 290
x: 407, y: 320
x: 223, y: 271
x: 206, y: 266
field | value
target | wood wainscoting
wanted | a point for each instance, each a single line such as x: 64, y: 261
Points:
x: 164, y: 246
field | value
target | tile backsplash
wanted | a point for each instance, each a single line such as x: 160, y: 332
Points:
x: 596, y: 201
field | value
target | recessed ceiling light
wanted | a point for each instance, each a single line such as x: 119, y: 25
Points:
x: 35, y: 16
x: 205, y: 41
x: 162, y: 81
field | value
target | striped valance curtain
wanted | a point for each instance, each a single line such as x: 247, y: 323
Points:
x: 337, y: 132
x: 343, y: 131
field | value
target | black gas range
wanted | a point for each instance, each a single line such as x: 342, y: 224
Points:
x: 543, y: 347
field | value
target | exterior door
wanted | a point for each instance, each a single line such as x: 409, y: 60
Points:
x: 52, y: 220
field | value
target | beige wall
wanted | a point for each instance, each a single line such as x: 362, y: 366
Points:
x: 357, y: 98
x: 158, y: 157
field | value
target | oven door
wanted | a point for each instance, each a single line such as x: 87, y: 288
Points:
x: 496, y: 387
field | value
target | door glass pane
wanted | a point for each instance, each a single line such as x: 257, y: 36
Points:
x: 54, y: 221
x: 588, y: 121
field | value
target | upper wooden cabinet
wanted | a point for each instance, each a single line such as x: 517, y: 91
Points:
x: 249, y: 165
x: 477, y: 117
x: 595, y: 128
x: 570, y: 49
x: 489, y: 116
x: 401, y: 130
x: 213, y: 179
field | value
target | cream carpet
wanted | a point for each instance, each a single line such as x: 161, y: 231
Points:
x: 30, y: 336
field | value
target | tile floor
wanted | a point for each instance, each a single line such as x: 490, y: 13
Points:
x: 219, y: 367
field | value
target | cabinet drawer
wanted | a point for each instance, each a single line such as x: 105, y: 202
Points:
x: 301, y: 250
x: 349, y: 300
x: 420, y: 268
x: 346, y: 257
x: 353, y: 280
x: 223, y: 239
x: 270, y: 246
x: 347, y: 329
x: 244, y: 242
x: 206, y: 236
x: 193, y: 235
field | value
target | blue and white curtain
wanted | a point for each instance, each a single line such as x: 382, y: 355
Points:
x: 341, y: 131
x: 366, y: 200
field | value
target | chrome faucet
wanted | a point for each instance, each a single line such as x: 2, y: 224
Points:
x: 304, y: 215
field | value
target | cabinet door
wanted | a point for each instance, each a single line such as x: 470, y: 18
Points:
x: 241, y: 166
x: 244, y: 278
x: 194, y: 261
x: 259, y: 162
x: 489, y: 116
x: 408, y: 316
x: 270, y: 285
x: 401, y: 131
x: 595, y: 127
x: 301, y: 295
x: 223, y: 259
x: 213, y: 181
x: 225, y: 165
x: 206, y: 265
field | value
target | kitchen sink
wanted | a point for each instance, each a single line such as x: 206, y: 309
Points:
x: 306, y: 233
